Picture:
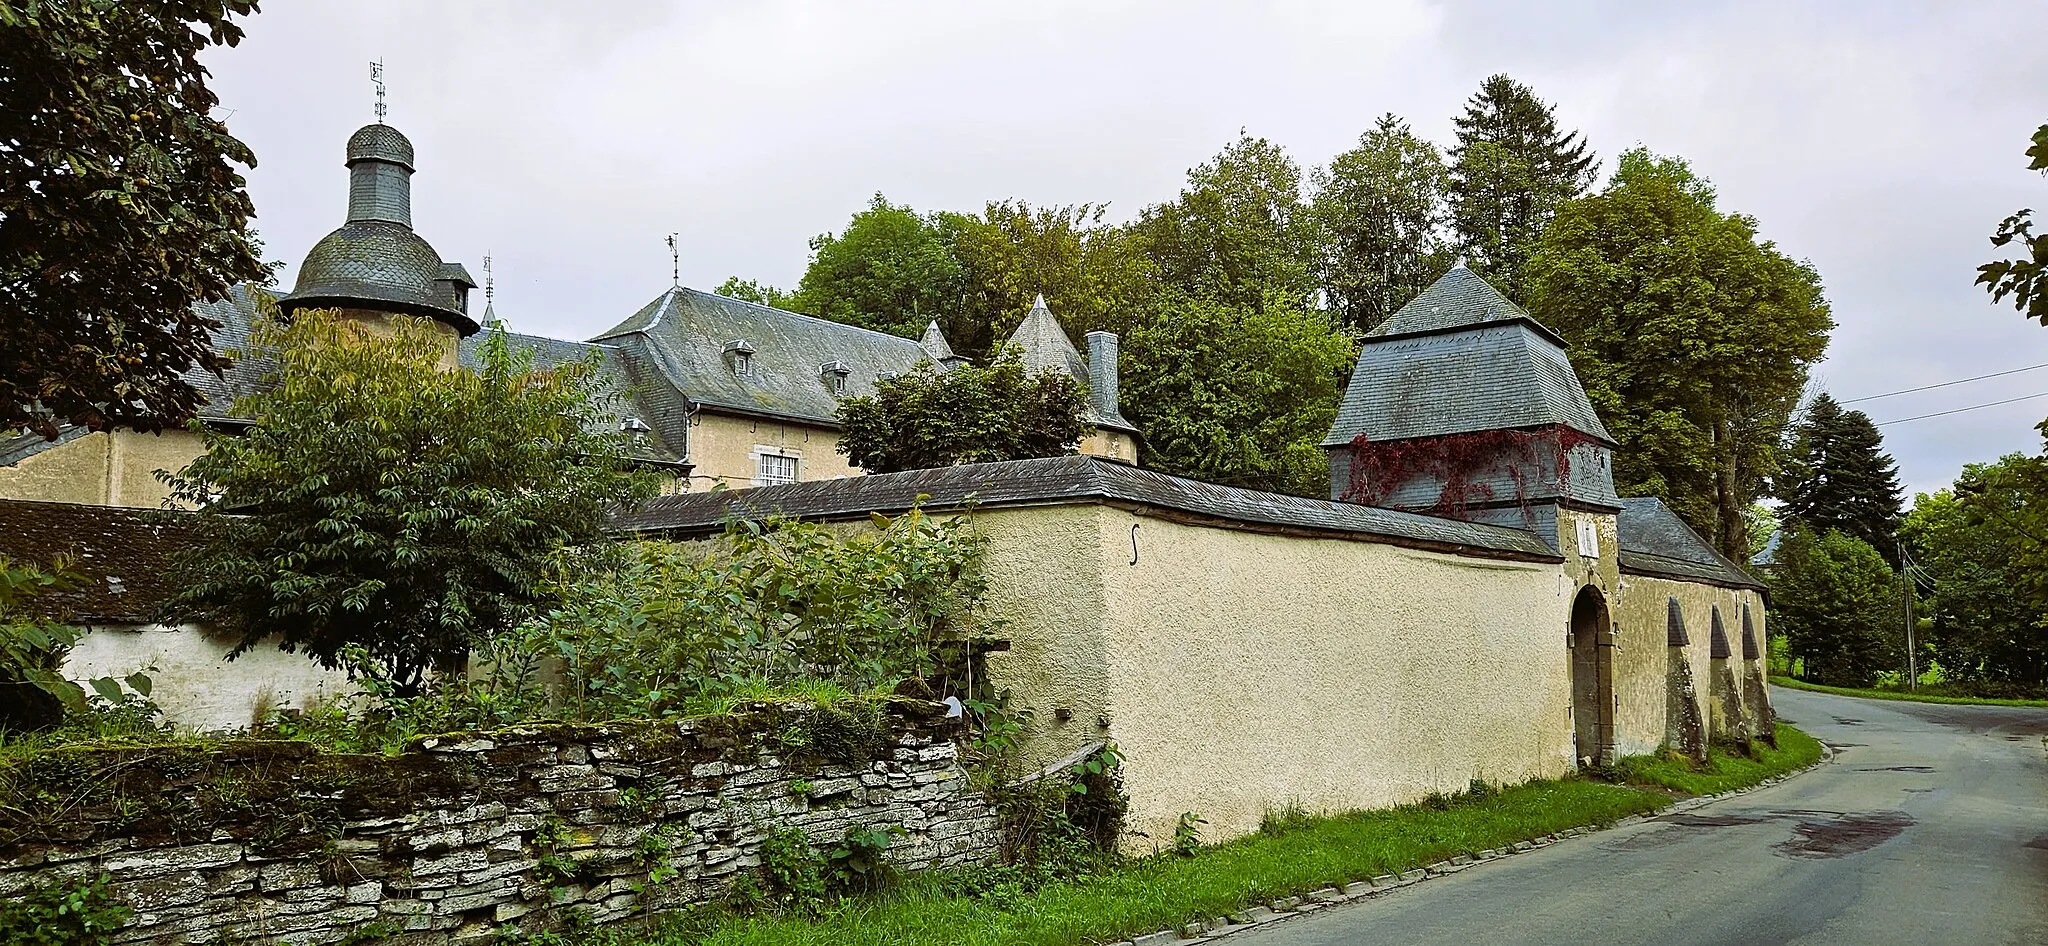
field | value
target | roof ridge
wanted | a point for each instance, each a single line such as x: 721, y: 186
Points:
x: 822, y: 321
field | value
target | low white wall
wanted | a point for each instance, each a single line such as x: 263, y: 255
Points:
x: 194, y: 682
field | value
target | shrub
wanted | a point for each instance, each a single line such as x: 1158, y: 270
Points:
x: 84, y: 914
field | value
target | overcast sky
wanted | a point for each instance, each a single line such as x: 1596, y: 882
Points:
x: 1881, y: 141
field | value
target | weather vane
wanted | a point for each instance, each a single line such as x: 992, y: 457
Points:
x: 675, y: 262
x: 377, y: 77
x: 490, y: 288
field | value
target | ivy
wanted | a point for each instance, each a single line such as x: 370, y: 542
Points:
x: 1380, y: 468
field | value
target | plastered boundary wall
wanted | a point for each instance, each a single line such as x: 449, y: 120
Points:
x: 1240, y: 672
x: 462, y: 837
x: 1641, y: 667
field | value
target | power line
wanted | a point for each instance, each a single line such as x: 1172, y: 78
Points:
x: 1930, y: 387
x: 1973, y: 407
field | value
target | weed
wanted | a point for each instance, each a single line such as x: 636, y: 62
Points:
x: 1187, y: 834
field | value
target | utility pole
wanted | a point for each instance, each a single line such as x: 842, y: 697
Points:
x: 1906, y: 589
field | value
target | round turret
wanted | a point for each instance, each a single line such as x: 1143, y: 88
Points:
x: 375, y: 261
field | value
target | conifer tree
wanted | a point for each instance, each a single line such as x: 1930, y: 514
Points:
x: 1838, y: 477
x: 1510, y: 170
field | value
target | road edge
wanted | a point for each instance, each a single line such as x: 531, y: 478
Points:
x: 1263, y: 916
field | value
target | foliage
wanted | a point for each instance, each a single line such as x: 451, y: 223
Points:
x: 932, y: 417
x: 1063, y: 824
x: 33, y: 694
x: 381, y: 501
x: 1239, y: 234
x: 858, y: 862
x: 1760, y: 522
x: 759, y: 293
x: 1726, y: 768
x: 1512, y: 169
x: 1837, y: 476
x: 1693, y: 338
x: 2024, y: 279
x: 791, y: 868
x: 1838, y: 605
x: 1981, y: 545
x: 1235, y: 395
x: 659, y: 629
x: 1090, y: 272
x: 120, y: 208
x: 892, y: 270
x: 62, y: 914
x: 1380, y: 212
x: 1187, y: 834
x: 1150, y: 894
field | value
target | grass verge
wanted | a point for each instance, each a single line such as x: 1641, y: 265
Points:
x: 1793, y: 684
x: 1724, y: 770
x: 1298, y: 856
x: 1168, y: 892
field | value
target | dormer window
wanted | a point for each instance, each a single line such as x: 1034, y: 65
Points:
x: 834, y: 374
x: 741, y: 355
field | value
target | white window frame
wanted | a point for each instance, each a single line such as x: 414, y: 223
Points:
x: 788, y: 459
x: 1589, y: 538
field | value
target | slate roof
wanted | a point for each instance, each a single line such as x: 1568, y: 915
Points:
x: 1046, y: 347
x: 1492, y: 376
x: 683, y: 334
x: 122, y: 552
x: 1656, y: 542
x: 1458, y: 299
x: 1074, y: 479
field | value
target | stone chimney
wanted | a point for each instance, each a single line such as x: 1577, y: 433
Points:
x: 1102, y: 373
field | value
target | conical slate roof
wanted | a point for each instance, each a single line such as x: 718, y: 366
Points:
x: 934, y: 343
x: 1045, y: 345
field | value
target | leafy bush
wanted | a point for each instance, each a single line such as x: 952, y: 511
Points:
x: 931, y: 417
x: 654, y: 628
x: 33, y: 695
x: 62, y: 915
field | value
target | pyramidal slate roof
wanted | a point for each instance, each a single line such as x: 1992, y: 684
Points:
x: 689, y: 337
x: 934, y: 343
x: 1067, y: 480
x: 1460, y: 358
x: 1458, y: 299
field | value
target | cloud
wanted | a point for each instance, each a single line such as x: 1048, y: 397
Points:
x: 1881, y: 142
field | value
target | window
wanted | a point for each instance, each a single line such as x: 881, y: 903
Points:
x: 1589, y: 539
x: 838, y: 383
x: 743, y: 363
x: 775, y: 470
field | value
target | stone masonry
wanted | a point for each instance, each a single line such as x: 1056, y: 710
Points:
x: 459, y: 837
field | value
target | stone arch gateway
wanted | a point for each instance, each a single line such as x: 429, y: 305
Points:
x: 1592, y: 675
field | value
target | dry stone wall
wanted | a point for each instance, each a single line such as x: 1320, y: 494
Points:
x: 460, y: 837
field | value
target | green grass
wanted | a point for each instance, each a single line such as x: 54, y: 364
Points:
x: 1795, y: 684
x: 1297, y: 853
x: 1167, y: 892
x: 1724, y: 770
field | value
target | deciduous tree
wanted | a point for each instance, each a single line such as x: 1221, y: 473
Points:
x: 1511, y: 170
x: 1240, y: 233
x: 120, y: 207
x: 1693, y: 337
x: 2024, y: 279
x: 1838, y: 605
x: 892, y: 270
x: 1239, y: 395
x: 754, y: 291
x: 1380, y: 210
x: 378, y: 501
x: 1983, y: 545
x: 929, y: 417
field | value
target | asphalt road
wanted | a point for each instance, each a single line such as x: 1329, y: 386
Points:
x: 1930, y: 828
